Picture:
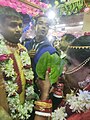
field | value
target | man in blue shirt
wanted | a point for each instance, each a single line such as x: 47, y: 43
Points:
x: 40, y: 44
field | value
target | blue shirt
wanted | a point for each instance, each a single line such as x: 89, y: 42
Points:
x: 41, y: 48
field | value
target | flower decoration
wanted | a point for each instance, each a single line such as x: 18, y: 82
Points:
x: 87, y: 10
x: 20, y: 111
x: 20, y: 93
x: 25, y: 8
x: 59, y: 114
x: 79, y: 103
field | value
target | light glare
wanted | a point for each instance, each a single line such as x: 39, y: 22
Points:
x: 51, y: 14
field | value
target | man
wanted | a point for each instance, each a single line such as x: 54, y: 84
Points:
x: 16, y: 76
x: 40, y: 44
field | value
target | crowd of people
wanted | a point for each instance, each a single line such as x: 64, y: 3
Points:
x: 23, y: 95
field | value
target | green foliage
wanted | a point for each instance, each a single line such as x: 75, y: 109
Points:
x: 52, y: 62
x: 71, y: 7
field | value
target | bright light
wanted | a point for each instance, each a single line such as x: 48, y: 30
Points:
x: 50, y: 38
x: 80, y: 23
x: 51, y: 14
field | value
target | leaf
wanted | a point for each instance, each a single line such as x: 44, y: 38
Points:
x: 53, y: 62
x: 41, y: 66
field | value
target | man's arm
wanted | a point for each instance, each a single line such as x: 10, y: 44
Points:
x: 44, y: 86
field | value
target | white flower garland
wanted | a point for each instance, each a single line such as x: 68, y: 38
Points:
x: 18, y: 110
x: 78, y: 103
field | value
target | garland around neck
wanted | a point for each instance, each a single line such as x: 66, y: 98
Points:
x: 19, y: 91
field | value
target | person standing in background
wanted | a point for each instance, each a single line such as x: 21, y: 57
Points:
x: 39, y: 44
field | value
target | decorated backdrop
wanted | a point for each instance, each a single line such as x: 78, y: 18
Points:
x: 31, y: 7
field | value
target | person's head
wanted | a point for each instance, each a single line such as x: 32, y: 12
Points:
x: 42, y: 26
x: 56, y: 44
x: 78, y: 61
x: 66, y: 39
x: 10, y: 24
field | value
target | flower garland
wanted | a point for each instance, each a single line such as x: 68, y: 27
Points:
x: 78, y: 103
x: 25, y: 8
x: 20, y: 107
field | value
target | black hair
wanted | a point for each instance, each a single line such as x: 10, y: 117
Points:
x: 68, y: 37
x: 80, y: 54
x: 37, y: 17
x: 8, y: 12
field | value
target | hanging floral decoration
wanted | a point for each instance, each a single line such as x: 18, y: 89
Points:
x: 19, y: 82
x: 31, y: 7
x: 69, y: 8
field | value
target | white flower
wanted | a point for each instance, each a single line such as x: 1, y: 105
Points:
x: 23, y: 110
x: 29, y: 91
x: 79, y: 102
x: 28, y: 74
x: 7, y: 67
x: 59, y: 114
x: 25, y: 58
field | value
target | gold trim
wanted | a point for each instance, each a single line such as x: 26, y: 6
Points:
x: 75, y: 69
x: 43, y: 104
x: 39, y: 108
x: 79, y: 47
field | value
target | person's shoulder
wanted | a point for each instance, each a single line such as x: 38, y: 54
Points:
x: 49, y: 48
x: 46, y: 42
x: 28, y: 40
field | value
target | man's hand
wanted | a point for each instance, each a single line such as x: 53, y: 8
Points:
x: 44, y: 86
x: 32, y: 53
